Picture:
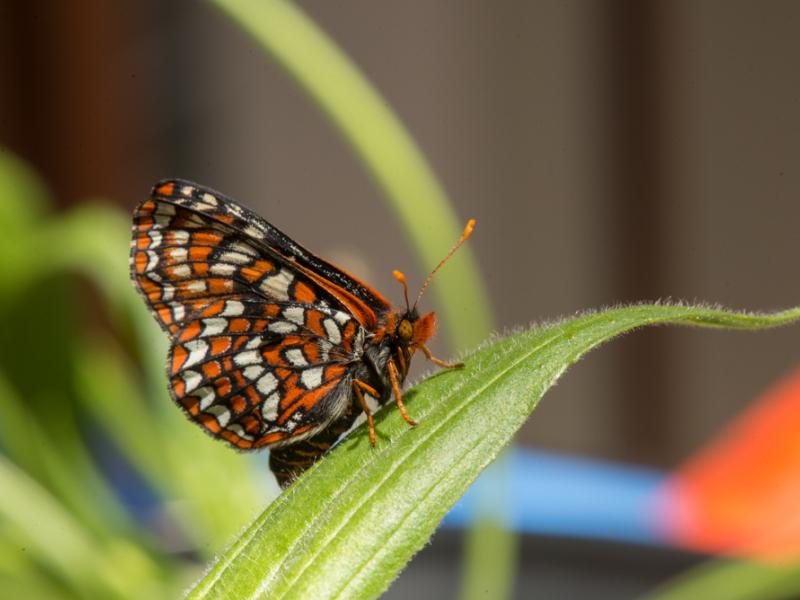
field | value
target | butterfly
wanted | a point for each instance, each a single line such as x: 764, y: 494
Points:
x: 271, y: 346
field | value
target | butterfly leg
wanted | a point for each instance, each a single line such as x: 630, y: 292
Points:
x: 358, y: 385
x: 438, y: 361
x: 398, y: 397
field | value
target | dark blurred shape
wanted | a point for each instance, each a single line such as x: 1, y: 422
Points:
x: 77, y: 94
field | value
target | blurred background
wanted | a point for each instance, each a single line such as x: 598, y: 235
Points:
x: 611, y: 151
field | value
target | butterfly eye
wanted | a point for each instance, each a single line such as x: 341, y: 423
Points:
x: 405, y: 330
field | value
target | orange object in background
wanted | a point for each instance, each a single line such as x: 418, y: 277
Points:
x: 741, y: 494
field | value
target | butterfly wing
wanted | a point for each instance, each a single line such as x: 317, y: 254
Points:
x: 262, y: 374
x: 261, y: 342
x: 191, y: 217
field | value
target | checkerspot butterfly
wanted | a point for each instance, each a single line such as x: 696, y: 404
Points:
x: 271, y: 346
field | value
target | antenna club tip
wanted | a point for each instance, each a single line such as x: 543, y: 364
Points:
x: 399, y: 276
x: 468, y: 229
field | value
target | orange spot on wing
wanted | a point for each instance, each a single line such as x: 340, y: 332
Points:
x: 252, y: 394
x: 201, y: 269
x: 311, y: 351
x: 238, y: 404
x: 166, y: 314
x: 151, y: 290
x: 314, y: 322
x: 220, y: 345
x: 213, y: 309
x: 223, y: 386
x: 257, y: 270
x: 250, y: 424
x: 191, y: 331
x: 200, y: 253
x: 209, y: 422
x: 165, y: 189
x: 240, y: 380
x: 211, y: 369
x: 303, y: 293
x: 220, y: 286
x: 238, y: 325
x: 178, y: 386
x: 141, y: 261
x: 178, y: 358
x: 236, y: 440
x: 271, y: 438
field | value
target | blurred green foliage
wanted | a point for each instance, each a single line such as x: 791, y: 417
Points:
x: 83, y: 396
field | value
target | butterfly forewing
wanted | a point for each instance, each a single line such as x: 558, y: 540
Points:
x: 261, y: 341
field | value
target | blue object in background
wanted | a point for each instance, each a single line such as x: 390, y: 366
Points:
x: 552, y: 494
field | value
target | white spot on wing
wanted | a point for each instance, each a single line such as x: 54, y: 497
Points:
x: 253, y: 372
x: 281, y: 327
x: 221, y: 413
x: 311, y: 378
x: 209, y: 199
x: 187, y: 190
x: 234, y: 210
x: 180, y: 236
x: 167, y: 292
x: 183, y: 271
x: 152, y: 260
x: 269, y: 410
x: 239, y: 430
x: 233, y: 308
x: 243, y: 248
x: 277, y: 286
x: 155, y: 238
x: 191, y: 379
x: 254, y: 343
x: 198, y: 286
x: 267, y: 384
x: 197, y: 352
x: 332, y: 329
x: 214, y: 326
x: 247, y: 358
x: 237, y: 258
x: 206, y: 396
x: 296, y: 357
x: 177, y: 254
x: 341, y: 317
x: 177, y: 312
x: 253, y: 232
x: 223, y: 269
x: 295, y: 314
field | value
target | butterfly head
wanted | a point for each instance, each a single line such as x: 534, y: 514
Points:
x: 414, y: 330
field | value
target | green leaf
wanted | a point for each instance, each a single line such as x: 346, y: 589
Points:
x: 349, y: 525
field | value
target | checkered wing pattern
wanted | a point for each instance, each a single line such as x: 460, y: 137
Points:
x: 262, y: 330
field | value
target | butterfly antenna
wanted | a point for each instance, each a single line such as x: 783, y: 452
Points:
x: 464, y: 235
x: 402, y: 279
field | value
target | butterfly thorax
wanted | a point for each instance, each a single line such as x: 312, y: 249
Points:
x: 397, y: 339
